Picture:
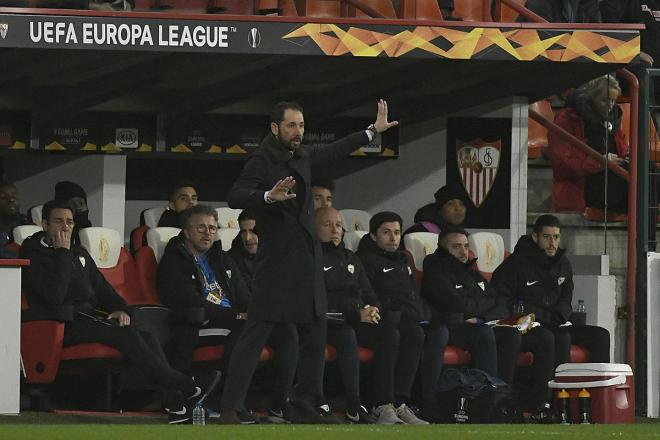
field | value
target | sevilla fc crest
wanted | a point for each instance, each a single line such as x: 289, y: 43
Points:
x: 477, y: 164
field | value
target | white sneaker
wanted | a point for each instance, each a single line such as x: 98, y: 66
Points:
x: 386, y: 415
x: 406, y: 414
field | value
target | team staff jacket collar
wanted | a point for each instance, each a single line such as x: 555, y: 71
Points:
x: 529, y: 249
x: 277, y: 151
x: 346, y: 282
x: 456, y: 291
x: 59, y: 276
x: 180, y: 279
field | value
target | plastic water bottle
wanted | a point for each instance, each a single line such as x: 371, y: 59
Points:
x: 563, y: 406
x: 584, y: 403
x: 581, y: 308
x: 519, y: 309
x: 199, y: 415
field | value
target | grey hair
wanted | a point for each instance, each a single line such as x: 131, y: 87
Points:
x: 593, y: 88
x: 186, y: 214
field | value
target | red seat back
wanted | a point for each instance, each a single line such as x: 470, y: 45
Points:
x: 146, y: 267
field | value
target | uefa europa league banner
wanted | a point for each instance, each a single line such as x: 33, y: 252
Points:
x: 479, y: 162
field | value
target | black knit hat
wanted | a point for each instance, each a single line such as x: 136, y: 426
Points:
x: 66, y: 190
x: 447, y: 193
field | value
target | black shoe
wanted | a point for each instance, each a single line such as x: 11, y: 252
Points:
x: 287, y: 413
x: 247, y: 417
x: 179, y: 417
x: 205, y: 384
x: 329, y: 418
x: 362, y: 417
x: 544, y: 415
x: 308, y: 414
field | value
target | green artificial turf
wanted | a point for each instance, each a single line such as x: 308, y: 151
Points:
x: 311, y: 432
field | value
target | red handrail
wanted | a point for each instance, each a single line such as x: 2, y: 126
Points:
x: 631, y: 177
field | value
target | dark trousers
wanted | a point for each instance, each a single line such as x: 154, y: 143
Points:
x: 479, y: 340
x: 593, y: 338
x: 311, y: 360
x: 140, y: 348
x: 391, y: 347
x: 432, y: 363
x: 185, y: 339
x: 397, y: 353
x: 541, y: 342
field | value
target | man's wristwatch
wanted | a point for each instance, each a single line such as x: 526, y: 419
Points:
x: 372, y: 129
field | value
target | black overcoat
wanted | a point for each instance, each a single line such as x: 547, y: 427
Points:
x: 288, y: 283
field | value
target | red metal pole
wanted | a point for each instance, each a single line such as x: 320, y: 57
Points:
x: 632, y: 215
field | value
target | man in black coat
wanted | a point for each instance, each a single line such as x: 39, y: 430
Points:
x: 10, y: 216
x: 539, y: 276
x: 393, y: 279
x: 64, y: 274
x: 196, y: 272
x: 288, y: 285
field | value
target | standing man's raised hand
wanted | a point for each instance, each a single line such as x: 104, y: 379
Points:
x: 381, y: 123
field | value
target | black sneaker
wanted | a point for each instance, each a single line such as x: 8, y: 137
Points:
x: 361, y: 417
x: 329, y: 418
x: 179, y: 417
x: 308, y: 414
x: 247, y: 417
x: 286, y: 414
x: 205, y: 384
x: 544, y: 415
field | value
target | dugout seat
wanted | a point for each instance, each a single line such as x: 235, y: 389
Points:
x: 34, y: 214
x: 319, y: 8
x: 488, y: 248
x: 420, y: 10
x: 228, y: 217
x: 352, y: 239
x: 151, y: 216
x: 226, y: 236
x: 355, y: 219
x: 420, y: 244
x: 22, y: 232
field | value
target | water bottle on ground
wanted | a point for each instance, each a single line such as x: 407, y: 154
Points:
x: 199, y: 415
x: 563, y: 406
x: 581, y: 308
x: 584, y: 403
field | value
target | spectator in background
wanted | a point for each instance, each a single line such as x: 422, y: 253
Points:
x: 74, y: 194
x: 578, y: 181
x: 392, y: 277
x: 63, y: 273
x: 182, y: 197
x: 447, y: 9
x: 10, y: 215
x: 244, y: 246
x: 322, y: 191
x: 564, y: 11
x: 449, y: 209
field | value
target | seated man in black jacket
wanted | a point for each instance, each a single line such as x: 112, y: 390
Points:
x: 63, y: 274
x: 350, y: 294
x: 393, y: 279
x: 196, y: 272
x: 183, y: 196
x: 462, y: 299
x: 539, y: 276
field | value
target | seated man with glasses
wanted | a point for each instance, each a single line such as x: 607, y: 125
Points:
x: 196, y: 272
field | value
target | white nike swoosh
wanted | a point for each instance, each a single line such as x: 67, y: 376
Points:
x: 458, y: 286
x: 180, y: 413
x: 327, y: 268
x: 531, y: 283
x: 387, y: 270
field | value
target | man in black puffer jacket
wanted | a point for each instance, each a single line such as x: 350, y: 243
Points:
x: 393, y: 279
x: 244, y: 246
x: 539, y: 276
